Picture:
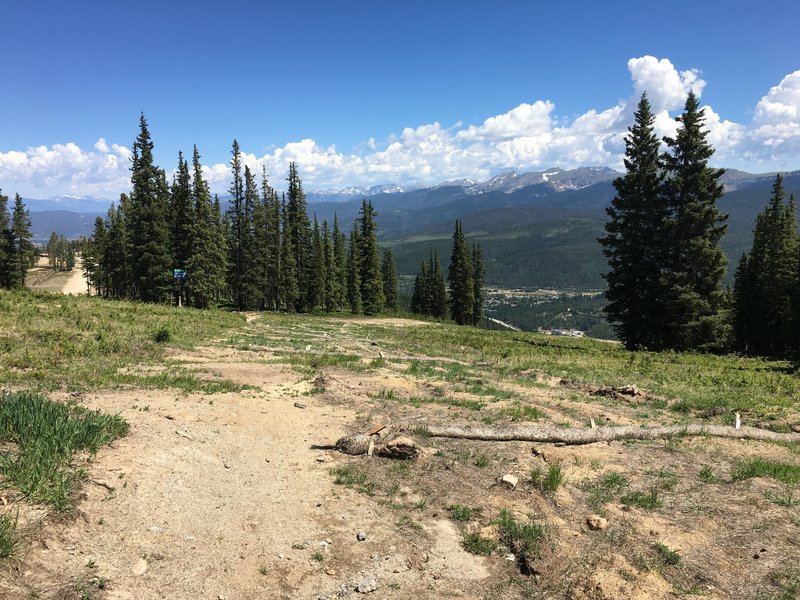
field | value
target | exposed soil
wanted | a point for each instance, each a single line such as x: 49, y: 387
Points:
x: 223, y: 496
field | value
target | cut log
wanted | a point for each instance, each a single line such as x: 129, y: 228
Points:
x: 527, y: 433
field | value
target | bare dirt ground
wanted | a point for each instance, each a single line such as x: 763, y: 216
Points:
x: 223, y: 497
x: 42, y: 278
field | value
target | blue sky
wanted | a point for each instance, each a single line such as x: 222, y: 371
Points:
x: 361, y: 93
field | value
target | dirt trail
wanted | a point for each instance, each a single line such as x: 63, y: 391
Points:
x: 76, y: 284
x: 222, y: 497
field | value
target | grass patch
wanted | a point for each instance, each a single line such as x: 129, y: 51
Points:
x: 524, y: 539
x: 515, y: 412
x: 8, y: 536
x: 759, y: 467
x: 785, y: 498
x: 707, y: 474
x: 417, y: 401
x: 460, y: 512
x: 646, y: 500
x: 353, y: 478
x: 77, y: 343
x: 47, y: 435
x: 548, y: 481
x: 709, y: 386
x: 474, y: 543
x: 668, y: 556
x: 606, y: 488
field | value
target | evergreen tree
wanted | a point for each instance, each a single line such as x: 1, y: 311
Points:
x: 289, y: 292
x: 331, y: 277
x: 479, y: 279
x: 766, y: 280
x: 298, y: 238
x: 438, y: 289
x: 317, y: 283
x: 694, y: 312
x: 272, y: 205
x: 340, y: 260
x: 151, y: 263
x: 94, y: 260
x: 116, y: 259
x: 181, y: 215
x: 237, y: 231
x: 23, y: 249
x: 354, y: 273
x: 390, y: 285
x: 6, y: 244
x: 370, y: 276
x: 207, y: 263
x: 254, y: 244
x: 461, y: 279
x: 635, y: 238
x: 421, y: 298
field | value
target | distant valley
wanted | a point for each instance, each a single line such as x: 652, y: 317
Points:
x: 538, y: 230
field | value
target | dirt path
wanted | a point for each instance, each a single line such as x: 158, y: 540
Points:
x: 222, y: 497
x: 76, y: 284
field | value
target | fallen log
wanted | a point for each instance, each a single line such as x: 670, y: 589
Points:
x: 577, y: 436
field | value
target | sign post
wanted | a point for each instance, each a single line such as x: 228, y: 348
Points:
x: 180, y: 276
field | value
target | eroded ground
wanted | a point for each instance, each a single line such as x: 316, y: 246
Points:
x: 223, y: 496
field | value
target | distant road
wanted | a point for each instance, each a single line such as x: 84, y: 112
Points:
x: 75, y: 285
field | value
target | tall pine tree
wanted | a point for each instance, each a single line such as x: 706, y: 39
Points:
x: 461, y: 277
x: 370, y: 261
x: 693, y: 315
x: 151, y: 261
x: 390, y: 285
x: 766, y: 281
x: 207, y: 264
x: 635, y: 242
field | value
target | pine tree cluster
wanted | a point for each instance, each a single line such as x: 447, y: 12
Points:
x: 172, y: 242
x: 17, y: 253
x: 662, y: 240
x: 766, y: 293
x: 61, y: 252
x: 466, y: 273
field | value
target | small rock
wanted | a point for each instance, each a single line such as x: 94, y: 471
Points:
x: 330, y: 572
x: 361, y: 536
x: 510, y: 558
x: 139, y: 568
x: 596, y: 523
x: 321, y: 458
x: 300, y: 545
x: 299, y: 405
x: 343, y: 591
x: 367, y: 585
x: 510, y: 480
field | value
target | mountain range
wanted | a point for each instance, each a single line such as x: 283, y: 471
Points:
x: 537, y: 229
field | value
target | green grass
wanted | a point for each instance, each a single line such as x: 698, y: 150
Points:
x: 46, y: 437
x: 467, y: 404
x: 354, y: 478
x: 548, y: 481
x: 8, y: 536
x: 668, y: 556
x: 474, y: 543
x: 524, y: 539
x: 606, y: 488
x: 515, y: 412
x: 646, y: 500
x: 50, y: 341
x: 707, y: 474
x: 460, y: 512
x: 759, y: 467
x: 706, y: 385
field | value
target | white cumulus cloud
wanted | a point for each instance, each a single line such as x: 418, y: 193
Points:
x: 529, y: 136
